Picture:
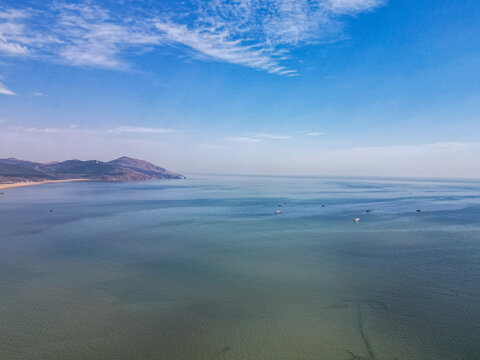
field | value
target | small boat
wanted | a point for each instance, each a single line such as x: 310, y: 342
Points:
x: 368, y: 210
x: 418, y: 210
x: 278, y: 212
x: 356, y: 219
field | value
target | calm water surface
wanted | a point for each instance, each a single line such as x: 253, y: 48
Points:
x: 203, y: 269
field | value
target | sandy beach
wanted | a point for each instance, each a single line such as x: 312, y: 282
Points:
x: 30, y: 183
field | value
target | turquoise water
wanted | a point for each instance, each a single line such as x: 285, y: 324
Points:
x: 203, y: 269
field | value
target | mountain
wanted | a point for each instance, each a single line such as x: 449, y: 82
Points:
x: 141, y: 166
x: 121, y: 169
x: 20, y: 163
x: 16, y: 172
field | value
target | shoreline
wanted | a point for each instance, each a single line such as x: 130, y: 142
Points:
x: 31, y: 183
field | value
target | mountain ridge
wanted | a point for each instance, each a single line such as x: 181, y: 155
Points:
x: 121, y: 169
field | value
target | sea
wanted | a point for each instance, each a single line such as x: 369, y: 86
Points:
x: 203, y: 268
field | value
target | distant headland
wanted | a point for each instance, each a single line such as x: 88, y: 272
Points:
x: 14, y: 172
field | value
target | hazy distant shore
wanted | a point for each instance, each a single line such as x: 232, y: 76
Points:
x: 30, y: 183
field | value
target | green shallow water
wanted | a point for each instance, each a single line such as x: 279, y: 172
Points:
x: 203, y: 269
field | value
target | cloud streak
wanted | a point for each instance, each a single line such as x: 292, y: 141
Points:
x: 218, y: 44
x: 256, y: 138
x: 139, y: 130
x: 5, y: 91
x: 76, y: 130
x: 353, y: 6
x: 73, y: 129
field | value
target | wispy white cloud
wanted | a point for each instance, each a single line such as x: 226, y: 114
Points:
x: 81, y: 34
x: 20, y: 34
x: 217, y: 44
x: 259, y: 34
x: 255, y: 138
x: 13, y: 32
x: 5, y: 91
x: 315, y: 133
x: 244, y: 139
x: 72, y: 129
x: 38, y: 94
x: 11, y: 48
x: 75, y: 129
x: 139, y: 130
x: 353, y: 6
x: 93, y: 36
x: 273, y: 136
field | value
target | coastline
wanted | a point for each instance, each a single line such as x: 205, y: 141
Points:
x: 30, y: 183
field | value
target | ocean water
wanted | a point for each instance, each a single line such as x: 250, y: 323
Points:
x: 203, y: 269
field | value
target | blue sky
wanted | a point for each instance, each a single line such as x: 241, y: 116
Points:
x: 328, y: 87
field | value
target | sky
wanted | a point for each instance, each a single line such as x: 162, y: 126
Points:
x: 319, y: 87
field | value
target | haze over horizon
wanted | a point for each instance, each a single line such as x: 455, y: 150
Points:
x: 327, y: 87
